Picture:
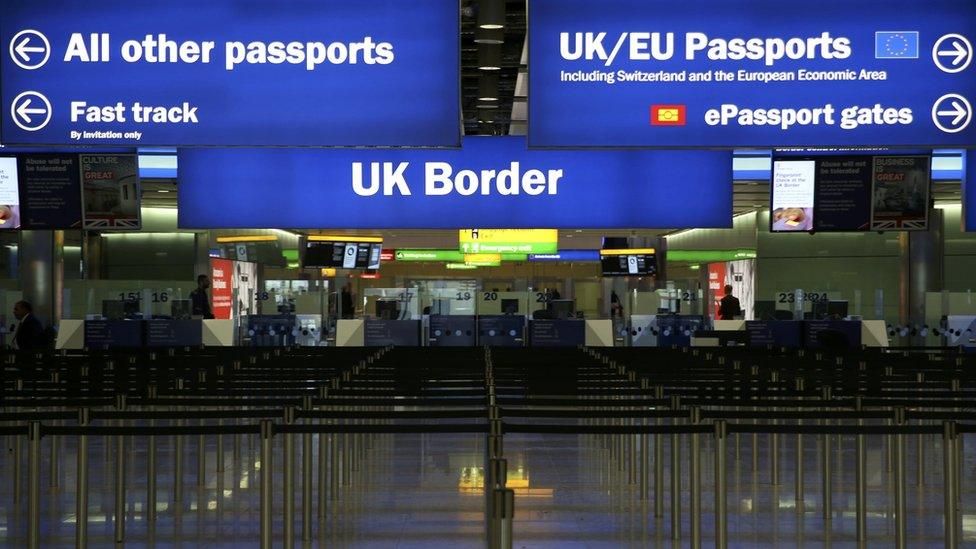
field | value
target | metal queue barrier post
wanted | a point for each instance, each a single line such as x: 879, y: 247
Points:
x: 658, y: 462
x: 901, y: 520
x: 307, y: 475
x: 695, y: 480
x: 119, y: 513
x: 860, y: 480
x: 325, y: 442
x: 919, y: 446
x: 949, y: 471
x: 675, y: 474
x: 34, y: 485
x: 81, y: 496
x: 721, y: 485
x: 495, y: 480
x: 826, y: 469
x: 267, y: 486
x: 151, y: 483
x: 288, y: 480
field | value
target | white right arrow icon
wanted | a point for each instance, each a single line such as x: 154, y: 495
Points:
x: 961, y: 112
x: 958, y: 111
x: 952, y: 53
x: 958, y: 51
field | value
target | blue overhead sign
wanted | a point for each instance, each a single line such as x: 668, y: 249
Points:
x: 763, y: 73
x: 489, y: 182
x: 230, y: 72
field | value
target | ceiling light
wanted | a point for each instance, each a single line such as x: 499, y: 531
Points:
x: 489, y: 36
x: 489, y: 57
x: 491, y: 14
x: 488, y: 87
x: 162, y: 191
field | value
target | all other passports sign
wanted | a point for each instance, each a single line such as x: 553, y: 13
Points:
x: 230, y: 72
x: 724, y: 73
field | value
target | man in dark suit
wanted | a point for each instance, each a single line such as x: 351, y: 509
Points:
x: 30, y: 333
x: 199, y: 300
x: 728, y: 307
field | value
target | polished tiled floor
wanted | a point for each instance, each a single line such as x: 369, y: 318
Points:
x: 423, y: 491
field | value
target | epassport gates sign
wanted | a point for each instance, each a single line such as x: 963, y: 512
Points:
x: 756, y: 73
x: 230, y: 72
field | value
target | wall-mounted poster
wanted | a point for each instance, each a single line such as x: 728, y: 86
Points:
x: 900, y: 192
x: 222, y: 287
x: 741, y: 275
x: 9, y: 194
x: 110, y: 187
x: 50, y: 191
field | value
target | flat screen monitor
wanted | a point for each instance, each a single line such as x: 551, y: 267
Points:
x: 562, y: 308
x: 626, y: 264
x: 837, y: 309
x: 9, y: 194
x: 342, y: 255
x: 765, y: 309
x: 131, y: 308
x: 793, y: 191
x: 181, y: 309
x: 387, y: 309
x: 113, y: 309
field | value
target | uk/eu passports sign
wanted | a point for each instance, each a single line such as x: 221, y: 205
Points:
x: 762, y: 73
x: 230, y: 72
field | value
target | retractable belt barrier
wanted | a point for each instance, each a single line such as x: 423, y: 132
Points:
x: 628, y: 402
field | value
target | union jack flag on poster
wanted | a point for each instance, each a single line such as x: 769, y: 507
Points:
x: 900, y: 193
x: 110, y: 191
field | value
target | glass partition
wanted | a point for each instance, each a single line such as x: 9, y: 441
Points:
x: 391, y: 303
x: 126, y: 299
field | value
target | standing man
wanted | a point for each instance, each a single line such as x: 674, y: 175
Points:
x: 346, y: 302
x: 199, y: 300
x: 728, y: 307
x: 29, y: 334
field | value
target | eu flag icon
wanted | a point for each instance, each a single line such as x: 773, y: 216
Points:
x: 896, y: 45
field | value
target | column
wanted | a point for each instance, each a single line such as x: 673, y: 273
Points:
x: 41, y: 255
x: 921, y: 270
x: 201, y: 257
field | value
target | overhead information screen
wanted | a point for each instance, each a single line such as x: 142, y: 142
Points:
x: 342, y: 254
x: 761, y: 73
x: 793, y: 190
x: 632, y: 262
x: 230, y: 72
x: 850, y: 193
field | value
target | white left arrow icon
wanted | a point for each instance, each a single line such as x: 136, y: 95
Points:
x: 30, y: 49
x: 24, y: 110
x: 31, y: 111
x: 23, y: 49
